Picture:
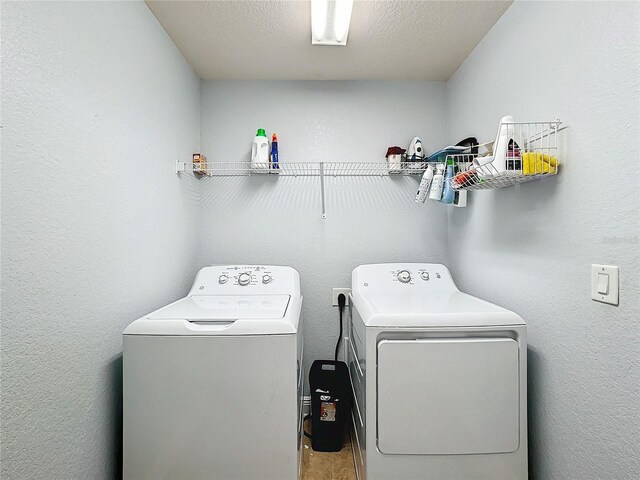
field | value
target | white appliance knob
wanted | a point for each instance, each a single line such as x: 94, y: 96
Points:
x: 223, y: 279
x: 424, y: 275
x: 404, y: 276
x: 266, y: 279
x: 244, y: 279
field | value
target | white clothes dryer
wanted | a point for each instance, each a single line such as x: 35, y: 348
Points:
x: 439, y: 378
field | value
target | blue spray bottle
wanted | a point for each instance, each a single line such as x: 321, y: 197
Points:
x: 274, y: 152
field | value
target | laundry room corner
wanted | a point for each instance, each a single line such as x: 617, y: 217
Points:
x: 531, y: 247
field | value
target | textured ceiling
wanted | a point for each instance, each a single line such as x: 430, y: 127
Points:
x: 272, y: 39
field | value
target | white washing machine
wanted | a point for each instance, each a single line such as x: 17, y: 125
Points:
x: 213, y: 382
x: 439, y: 378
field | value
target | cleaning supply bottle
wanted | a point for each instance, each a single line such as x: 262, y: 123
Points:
x: 449, y: 193
x: 260, y: 151
x: 435, y: 193
x: 425, y: 184
x: 274, y: 152
x: 505, y: 134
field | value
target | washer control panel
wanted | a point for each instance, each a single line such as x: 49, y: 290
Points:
x: 245, y: 276
x: 254, y: 279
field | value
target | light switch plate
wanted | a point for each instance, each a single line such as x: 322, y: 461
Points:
x: 338, y: 291
x: 598, y: 273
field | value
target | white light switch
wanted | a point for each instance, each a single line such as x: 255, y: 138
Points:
x: 604, y: 284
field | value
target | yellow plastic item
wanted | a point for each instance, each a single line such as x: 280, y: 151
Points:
x: 535, y: 163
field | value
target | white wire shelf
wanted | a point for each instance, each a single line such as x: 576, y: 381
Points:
x: 522, y: 152
x: 311, y: 169
x: 304, y: 169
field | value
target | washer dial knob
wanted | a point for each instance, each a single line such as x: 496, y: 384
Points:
x: 404, y: 276
x: 266, y: 279
x: 223, y: 279
x: 424, y: 275
x: 244, y: 279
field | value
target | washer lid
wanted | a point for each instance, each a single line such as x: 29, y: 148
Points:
x: 215, y: 307
x: 219, y: 315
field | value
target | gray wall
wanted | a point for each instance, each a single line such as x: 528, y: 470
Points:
x: 530, y: 248
x: 97, y: 104
x: 278, y: 220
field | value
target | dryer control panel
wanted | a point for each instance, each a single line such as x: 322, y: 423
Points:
x: 407, y: 277
x: 246, y: 279
x: 412, y: 273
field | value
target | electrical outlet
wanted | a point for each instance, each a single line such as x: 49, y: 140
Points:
x: 338, y: 291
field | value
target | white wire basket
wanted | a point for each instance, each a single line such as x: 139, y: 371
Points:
x: 522, y: 152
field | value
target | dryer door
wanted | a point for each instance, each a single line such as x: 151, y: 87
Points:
x: 448, y: 396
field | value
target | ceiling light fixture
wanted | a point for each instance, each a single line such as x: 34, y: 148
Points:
x: 330, y: 21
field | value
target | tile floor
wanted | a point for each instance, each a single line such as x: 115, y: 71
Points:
x: 327, y: 465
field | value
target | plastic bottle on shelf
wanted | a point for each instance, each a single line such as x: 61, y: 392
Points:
x: 449, y: 193
x: 435, y: 192
x: 274, y: 152
x: 260, y: 151
x: 425, y: 184
x: 505, y: 134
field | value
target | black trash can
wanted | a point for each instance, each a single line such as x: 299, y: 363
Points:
x: 330, y: 403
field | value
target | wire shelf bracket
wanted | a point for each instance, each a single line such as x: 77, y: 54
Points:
x: 181, y: 166
x: 324, y: 210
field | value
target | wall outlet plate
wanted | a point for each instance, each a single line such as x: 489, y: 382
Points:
x: 338, y: 291
x: 604, y: 284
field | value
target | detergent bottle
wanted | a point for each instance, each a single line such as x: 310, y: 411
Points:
x: 260, y: 151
